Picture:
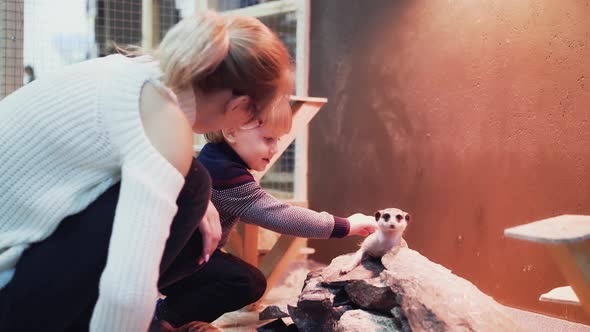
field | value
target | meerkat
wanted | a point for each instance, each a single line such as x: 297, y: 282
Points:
x: 391, y: 225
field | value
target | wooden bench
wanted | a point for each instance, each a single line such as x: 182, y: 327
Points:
x: 567, y: 237
x: 565, y: 295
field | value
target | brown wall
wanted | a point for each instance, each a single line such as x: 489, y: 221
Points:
x: 472, y: 115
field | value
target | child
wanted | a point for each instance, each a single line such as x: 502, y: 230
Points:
x: 231, y: 282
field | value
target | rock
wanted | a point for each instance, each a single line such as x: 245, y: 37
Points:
x: 317, y: 295
x: 277, y: 326
x: 274, y: 311
x: 371, y: 294
x: 195, y: 326
x: 402, y: 291
x: 401, y: 320
x: 368, y: 269
x: 324, y: 298
x: 313, y: 316
x: 314, y: 310
x: 365, y: 321
x: 340, y: 296
x: 339, y: 311
x: 434, y: 299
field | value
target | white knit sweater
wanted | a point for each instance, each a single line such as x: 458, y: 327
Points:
x: 64, y: 140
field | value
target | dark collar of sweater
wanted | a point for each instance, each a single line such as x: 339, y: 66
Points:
x: 225, y: 166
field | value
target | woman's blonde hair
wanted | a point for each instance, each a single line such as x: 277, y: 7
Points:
x: 213, y: 52
x: 278, y: 119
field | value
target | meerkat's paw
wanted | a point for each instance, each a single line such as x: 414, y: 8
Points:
x: 347, y: 268
x: 354, y: 261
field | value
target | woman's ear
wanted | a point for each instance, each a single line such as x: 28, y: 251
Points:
x: 240, y: 103
x: 238, y: 111
x: 229, y: 134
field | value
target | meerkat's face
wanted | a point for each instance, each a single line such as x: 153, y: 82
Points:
x: 392, y: 220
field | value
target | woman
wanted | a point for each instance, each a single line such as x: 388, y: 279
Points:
x: 94, y: 158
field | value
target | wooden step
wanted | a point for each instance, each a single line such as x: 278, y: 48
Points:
x: 563, y: 295
x: 557, y: 230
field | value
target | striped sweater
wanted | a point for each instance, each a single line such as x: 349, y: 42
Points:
x: 238, y: 197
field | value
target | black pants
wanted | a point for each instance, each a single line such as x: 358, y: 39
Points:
x: 225, y: 284
x: 55, y: 285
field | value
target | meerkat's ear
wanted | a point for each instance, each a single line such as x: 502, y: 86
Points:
x: 377, y: 215
x: 407, y: 218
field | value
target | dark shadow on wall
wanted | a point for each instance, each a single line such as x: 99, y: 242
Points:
x: 366, y: 130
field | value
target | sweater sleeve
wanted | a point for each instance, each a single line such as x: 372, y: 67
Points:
x: 147, y: 201
x: 253, y: 205
x: 128, y: 285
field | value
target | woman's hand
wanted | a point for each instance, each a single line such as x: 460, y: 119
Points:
x: 210, y: 228
x: 361, y: 224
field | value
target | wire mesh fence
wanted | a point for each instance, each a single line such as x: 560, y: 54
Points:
x: 224, y: 5
x: 38, y: 37
x: 280, y: 178
x: 11, y: 46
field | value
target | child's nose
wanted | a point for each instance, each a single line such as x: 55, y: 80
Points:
x: 274, y: 148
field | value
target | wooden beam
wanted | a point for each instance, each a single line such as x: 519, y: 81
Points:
x: 573, y: 260
x: 302, y: 85
x: 203, y: 5
x: 277, y: 260
x: 234, y: 244
x: 150, y: 24
x: 250, y: 242
x: 147, y: 26
x: 304, y: 109
x: 567, y: 237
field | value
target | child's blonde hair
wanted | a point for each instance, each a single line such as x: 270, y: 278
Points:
x: 278, y: 119
x: 213, y: 52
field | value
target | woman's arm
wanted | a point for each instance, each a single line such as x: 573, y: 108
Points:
x: 167, y: 128
x: 152, y: 175
x: 128, y: 284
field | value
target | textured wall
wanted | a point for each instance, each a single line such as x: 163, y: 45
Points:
x: 472, y: 115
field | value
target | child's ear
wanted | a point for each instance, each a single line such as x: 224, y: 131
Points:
x: 229, y: 134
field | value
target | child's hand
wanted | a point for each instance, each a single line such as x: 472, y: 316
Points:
x: 361, y: 224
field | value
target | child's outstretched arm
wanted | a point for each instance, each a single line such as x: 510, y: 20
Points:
x: 237, y: 196
x: 252, y: 204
